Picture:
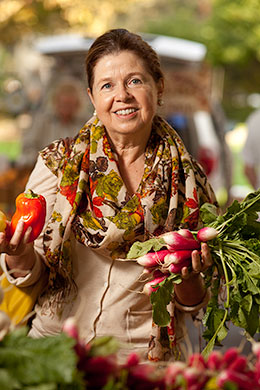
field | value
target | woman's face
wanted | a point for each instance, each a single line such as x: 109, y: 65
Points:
x: 124, y: 94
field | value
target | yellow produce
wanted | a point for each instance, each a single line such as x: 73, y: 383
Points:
x: 2, y: 221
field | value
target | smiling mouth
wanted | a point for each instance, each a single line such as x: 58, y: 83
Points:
x: 126, y: 111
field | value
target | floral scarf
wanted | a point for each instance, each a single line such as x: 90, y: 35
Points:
x: 93, y: 202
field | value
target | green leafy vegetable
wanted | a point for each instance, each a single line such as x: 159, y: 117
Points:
x: 103, y: 346
x: 236, y: 270
x: 236, y: 255
x: 161, y: 298
x: 47, y: 363
x: 139, y: 249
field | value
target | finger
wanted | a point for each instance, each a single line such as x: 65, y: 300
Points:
x: 185, y: 273
x: 16, y: 238
x: 206, y: 256
x: 196, y: 262
x: 27, y: 235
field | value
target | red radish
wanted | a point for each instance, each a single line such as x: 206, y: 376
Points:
x: 194, y: 378
x: 243, y: 381
x: 172, y: 371
x: 158, y: 273
x: 214, y: 360
x: 176, y: 241
x: 152, y: 259
x: 257, y: 372
x: 176, y: 268
x: 230, y: 355
x: 197, y: 360
x: 177, y: 257
x: 239, y: 364
x: 149, y: 286
x: 206, y: 234
x: 147, y: 271
x: 132, y: 360
x: 144, y: 377
x: 70, y: 328
x: 186, y: 233
x: 98, y: 370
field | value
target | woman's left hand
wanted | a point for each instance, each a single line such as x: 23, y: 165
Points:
x: 200, y: 262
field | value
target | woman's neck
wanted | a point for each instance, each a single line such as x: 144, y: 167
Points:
x: 130, y: 158
x: 129, y: 149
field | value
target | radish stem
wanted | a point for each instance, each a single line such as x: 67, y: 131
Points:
x: 211, y: 343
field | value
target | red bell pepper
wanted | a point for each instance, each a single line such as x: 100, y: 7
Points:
x: 31, y: 208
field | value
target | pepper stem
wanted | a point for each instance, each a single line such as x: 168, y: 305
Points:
x: 30, y: 194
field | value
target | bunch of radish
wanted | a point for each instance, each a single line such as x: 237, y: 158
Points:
x: 98, y: 363
x: 175, y: 253
x: 235, y: 368
x: 97, y: 369
x: 219, y: 371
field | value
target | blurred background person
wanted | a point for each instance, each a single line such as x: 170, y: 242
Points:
x: 250, y: 152
x: 59, y: 117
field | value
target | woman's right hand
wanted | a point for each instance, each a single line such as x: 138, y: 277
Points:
x: 17, y: 244
x: 20, y: 256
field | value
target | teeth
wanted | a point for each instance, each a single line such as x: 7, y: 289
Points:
x: 126, y: 112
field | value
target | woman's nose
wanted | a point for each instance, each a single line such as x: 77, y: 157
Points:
x: 122, y: 92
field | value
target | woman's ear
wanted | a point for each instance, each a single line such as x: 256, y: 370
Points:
x: 90, y: 96
x: 160, y: 87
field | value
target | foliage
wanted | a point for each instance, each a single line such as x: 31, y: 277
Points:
x: 230, y: 30
x: 233, y: 31
x: 22, y: 17
x: 45, y: 363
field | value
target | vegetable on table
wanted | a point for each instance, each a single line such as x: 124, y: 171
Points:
x: 234, y: 277
x: 218, y: 371
x: 31, y: 208
x: 66, y: 361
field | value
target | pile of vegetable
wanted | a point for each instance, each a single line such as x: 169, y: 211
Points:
x: 234, y: 278
x: 97, y: 361
x: 65, y: 362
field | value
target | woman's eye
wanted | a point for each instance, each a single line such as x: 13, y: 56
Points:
x: 106, y: 86
x: 135, y: 81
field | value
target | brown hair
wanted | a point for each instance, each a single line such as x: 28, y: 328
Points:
x: 117, y: 40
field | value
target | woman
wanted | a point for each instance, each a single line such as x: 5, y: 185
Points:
x: 125, y: 177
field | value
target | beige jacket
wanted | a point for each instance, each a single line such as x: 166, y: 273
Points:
x: 109, y: 300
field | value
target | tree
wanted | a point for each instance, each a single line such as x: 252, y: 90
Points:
x: 231, y: 31
x: 22, y: 17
